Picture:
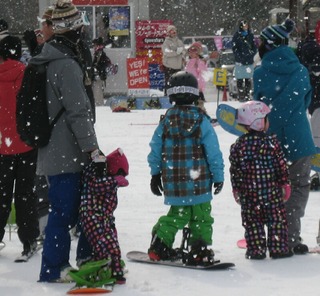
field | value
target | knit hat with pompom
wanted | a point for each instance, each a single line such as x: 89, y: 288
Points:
x: 277, y: 35
x: 66, y: 17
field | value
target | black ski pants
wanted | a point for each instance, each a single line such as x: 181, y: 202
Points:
x: 17, y: 176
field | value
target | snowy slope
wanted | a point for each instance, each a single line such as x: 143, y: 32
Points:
x: 138, y: 210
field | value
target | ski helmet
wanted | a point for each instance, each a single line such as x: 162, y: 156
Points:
x: 253, y: 114
x: 183, y: 88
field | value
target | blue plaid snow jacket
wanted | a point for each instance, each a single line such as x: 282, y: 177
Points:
x: 185, y: 150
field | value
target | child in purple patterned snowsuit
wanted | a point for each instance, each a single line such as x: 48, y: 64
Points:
x: 259, y: 178
x: 98, y: 203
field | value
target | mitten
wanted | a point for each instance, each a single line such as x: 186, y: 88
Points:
x: 179, y: 50
x: 286, y: 191
x: 121, y: 180
x: 218, y: 187
x: 236, y: 196
x: 30, y: 39
x: 156, y: 185
x: 99, y: 163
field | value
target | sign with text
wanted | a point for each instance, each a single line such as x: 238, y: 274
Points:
x: 156, y: 77
x: 151, y: 34
x: 220, y: 77
x: 100, y: 2
x: 138, y: 76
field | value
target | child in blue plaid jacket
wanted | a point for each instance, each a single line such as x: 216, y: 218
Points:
x: 186, y: 159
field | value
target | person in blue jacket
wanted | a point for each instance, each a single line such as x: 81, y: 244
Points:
x: 244, y: 50
x: 185, y: 162
x: 283, y: 84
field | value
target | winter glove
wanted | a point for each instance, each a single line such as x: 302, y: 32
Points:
x: 236, y: 196
x: 286, y: 191
x: 156, y: 185
x: 218, y: 187
x: 99, y: 163
x: 121, y: 180
x: 30, y: 39
x: 179, y: 50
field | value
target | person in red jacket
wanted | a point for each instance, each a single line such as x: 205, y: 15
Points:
x: 17, y: 160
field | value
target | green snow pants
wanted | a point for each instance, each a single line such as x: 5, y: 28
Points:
x: 197, y: 217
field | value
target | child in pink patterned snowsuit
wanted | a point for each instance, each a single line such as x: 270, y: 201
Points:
x: 259, y: 178
x: 98, y: 203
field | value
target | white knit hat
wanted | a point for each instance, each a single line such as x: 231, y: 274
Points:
x: 171, y: 27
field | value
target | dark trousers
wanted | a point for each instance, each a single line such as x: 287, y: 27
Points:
x: 299, y: 176
x: 64, y: 197
x: 244, y: 87
x: 17, y: 175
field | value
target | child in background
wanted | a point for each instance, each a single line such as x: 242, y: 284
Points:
x: 98, y: 203
x: 186, y: 157
x: 197, y: 66
x: 259, y: 179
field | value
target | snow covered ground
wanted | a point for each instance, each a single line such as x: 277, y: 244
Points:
x: 137, y: 212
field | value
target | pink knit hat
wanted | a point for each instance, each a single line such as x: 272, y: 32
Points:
x: 117, y: 160
x: 197, y: 46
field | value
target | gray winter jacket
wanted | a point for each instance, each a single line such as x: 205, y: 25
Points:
x: 73, y: 135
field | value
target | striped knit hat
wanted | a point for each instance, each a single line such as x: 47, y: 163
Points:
x: 66, y: 17
x: 277, y: 35
x: 47, y: 15
x: 3, y: 29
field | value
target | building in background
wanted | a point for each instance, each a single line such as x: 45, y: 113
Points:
x: 115, y: 21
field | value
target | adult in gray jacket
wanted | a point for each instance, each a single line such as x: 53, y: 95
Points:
x: 73, y: 138
x: 173, y: 53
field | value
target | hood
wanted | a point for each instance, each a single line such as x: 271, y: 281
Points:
x: 51, y: 52
x: 182, y: 121
x: 10, y: 70
x: 281, y: 60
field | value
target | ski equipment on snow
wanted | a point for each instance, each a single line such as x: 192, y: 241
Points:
x: 143, y: 257
x: 90, y: 290
x: 25, y: 256
x: 226, y: 116
x: 92, y: 277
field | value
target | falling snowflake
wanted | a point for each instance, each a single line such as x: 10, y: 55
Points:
x: 8, y: 142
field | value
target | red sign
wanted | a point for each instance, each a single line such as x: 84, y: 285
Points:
x: 151, y: 34
x: 100, y: 2
x: 138, y: 76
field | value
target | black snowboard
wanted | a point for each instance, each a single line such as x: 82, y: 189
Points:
x: 144, y: 258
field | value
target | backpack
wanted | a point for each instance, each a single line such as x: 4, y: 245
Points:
x: 33, y: 125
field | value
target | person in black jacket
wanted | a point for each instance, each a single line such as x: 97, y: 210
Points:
x: 309, y: 55
x: 244, y: 49
x: 99, y: 69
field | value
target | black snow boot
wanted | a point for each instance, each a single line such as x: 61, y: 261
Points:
x: 160, y: 251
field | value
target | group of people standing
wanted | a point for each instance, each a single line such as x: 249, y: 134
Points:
x: 282, y: 95
x: 270, y: 165
x: 64, y: 54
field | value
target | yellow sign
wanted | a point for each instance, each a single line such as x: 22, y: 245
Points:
x: 220, y: 77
